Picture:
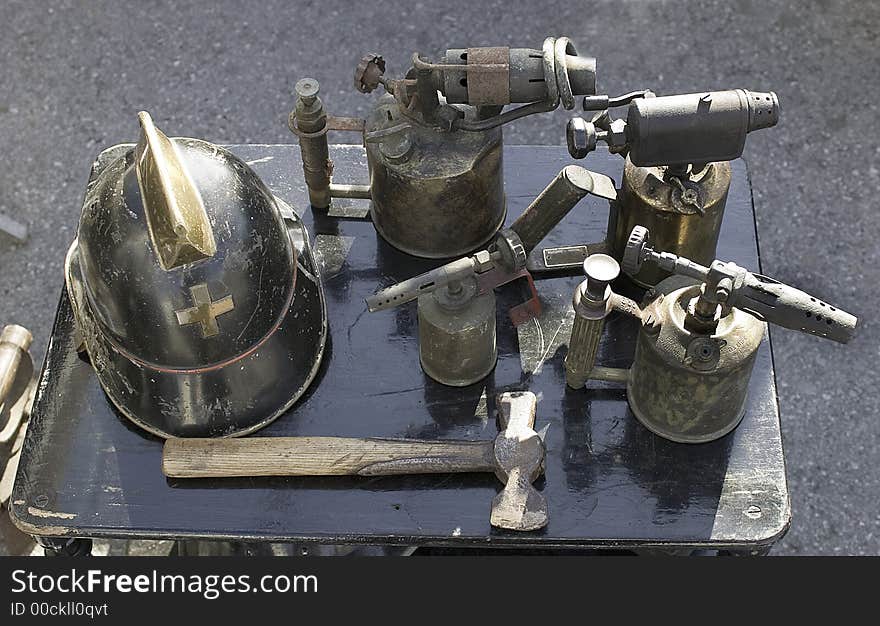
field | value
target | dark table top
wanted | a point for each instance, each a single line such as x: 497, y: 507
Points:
x: 85, y: 471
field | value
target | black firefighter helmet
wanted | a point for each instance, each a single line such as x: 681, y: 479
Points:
x: 195, y: 290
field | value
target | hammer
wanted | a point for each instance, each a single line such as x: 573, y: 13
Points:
x: 516, y: 457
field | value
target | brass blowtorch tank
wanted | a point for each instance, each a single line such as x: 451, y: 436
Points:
x: 435, y: 194
x: 434, y: 140
x: 457, y: 334
x: 697, y: 343
x: 684, y: 219
x: 691, y: 387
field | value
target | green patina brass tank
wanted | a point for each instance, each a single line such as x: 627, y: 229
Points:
x: 688, y: 386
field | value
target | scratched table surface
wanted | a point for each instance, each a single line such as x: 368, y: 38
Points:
x: 86, y: 471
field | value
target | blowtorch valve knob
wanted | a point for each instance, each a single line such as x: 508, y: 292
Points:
x: 635, y: 251
x: 509, y: 247
x: 581, y: 137
x: 369, y: 72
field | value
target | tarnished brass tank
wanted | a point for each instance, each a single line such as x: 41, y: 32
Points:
x: 435, y: 194
x: 697, y: 343
x: 648, y: 198
x: 457, y: 335
x: 688, y: 386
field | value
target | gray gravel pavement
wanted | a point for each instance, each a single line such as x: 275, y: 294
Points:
x: 74, y: 74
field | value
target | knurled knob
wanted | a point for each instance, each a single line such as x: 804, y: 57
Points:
x: 369, y: 72
x: 633, y: 254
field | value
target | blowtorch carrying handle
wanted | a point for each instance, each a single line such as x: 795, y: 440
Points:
x: 569, y: 187
x: 792, y: 308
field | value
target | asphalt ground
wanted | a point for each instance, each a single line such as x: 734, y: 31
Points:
x: 74, y: 74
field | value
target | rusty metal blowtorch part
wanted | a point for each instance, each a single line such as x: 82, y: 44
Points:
x: 309, y: 120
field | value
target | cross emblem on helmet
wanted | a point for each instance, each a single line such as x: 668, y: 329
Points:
x: 205, y: 310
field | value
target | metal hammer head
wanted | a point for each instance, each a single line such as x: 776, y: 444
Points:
x: 519, y: 459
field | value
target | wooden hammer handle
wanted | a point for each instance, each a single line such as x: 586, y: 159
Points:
x: 322, y: 456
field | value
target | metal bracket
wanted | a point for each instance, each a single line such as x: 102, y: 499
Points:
x: 563, y: 258
x: 497, y: 276
x: 349, y: 124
